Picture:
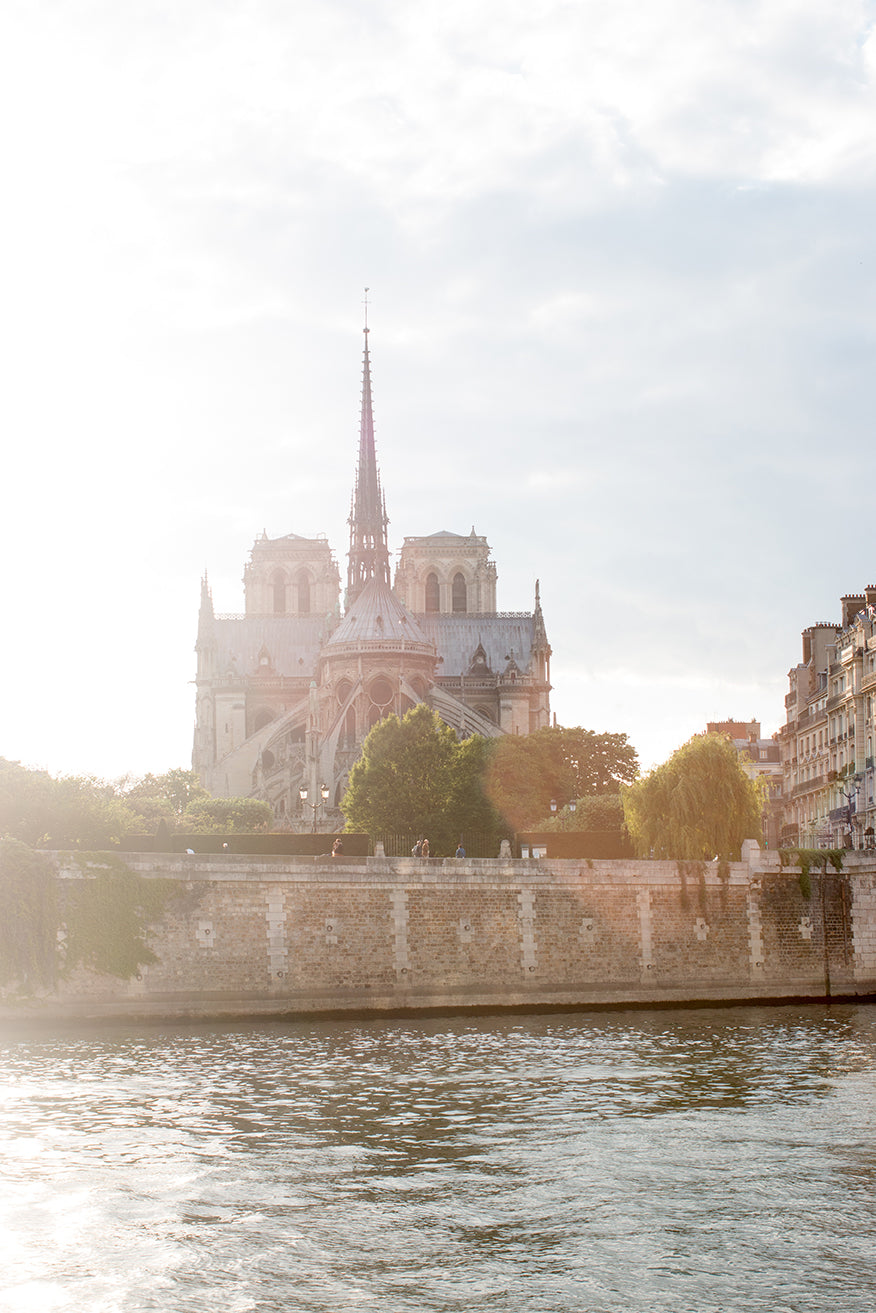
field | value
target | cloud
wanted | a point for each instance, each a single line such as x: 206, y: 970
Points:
x: 622, y: 294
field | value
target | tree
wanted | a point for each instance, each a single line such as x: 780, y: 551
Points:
x: 601, y: 813
x: 698, y: 805
x: 227, y: 816
x: 65, y: 812
x: 162, y: 797
x: 525, y: 774
x: 415, y: 776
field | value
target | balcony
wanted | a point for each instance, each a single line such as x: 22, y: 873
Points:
x: 809, y: 786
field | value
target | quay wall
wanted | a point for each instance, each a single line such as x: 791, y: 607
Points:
x: 266, y: 936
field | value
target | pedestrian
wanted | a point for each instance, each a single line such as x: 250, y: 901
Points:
x: 338, y: 848
x: 424, y: 848
x: 417, y: 850
x: 460, y: 852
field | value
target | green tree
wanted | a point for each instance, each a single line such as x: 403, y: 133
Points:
x: 162, y: 797
x: 415, y: 776
x: 65, y: 812
x: 525, y: 774
x: 601, y: 813
x: 698, y: 805
x: 227, y: 816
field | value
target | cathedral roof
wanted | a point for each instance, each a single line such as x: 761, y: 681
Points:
x: 444, y: 535
x: 263, y: 542
x: 378, y: 617
x: 501, y: 636
x: 292, y: 643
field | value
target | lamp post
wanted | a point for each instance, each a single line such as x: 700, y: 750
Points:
x: 564, y: 813
x: 851, y: 807
x: 314, y: 806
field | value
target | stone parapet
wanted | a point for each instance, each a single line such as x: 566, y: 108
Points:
x: 256, y: 936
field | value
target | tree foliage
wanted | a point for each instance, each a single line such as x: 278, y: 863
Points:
x: 28, y: 917
x: 699, y: 804
x: 601, y: 813
x: 227, y: 816
x: 415, y: 776
x: 162, y: 797
x: 557, y: 764
x: 107, y: 917
x: 64, y: 812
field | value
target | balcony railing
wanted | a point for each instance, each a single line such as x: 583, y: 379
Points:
x: 809, y: 786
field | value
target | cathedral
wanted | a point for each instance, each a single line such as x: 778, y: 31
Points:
x: 287, y: 691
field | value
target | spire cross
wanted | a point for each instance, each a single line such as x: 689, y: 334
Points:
x: 365, y: 303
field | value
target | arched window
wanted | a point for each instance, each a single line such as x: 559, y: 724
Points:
x: 460, y: 593
x: 303, y: 582
x: 432, y: 596
x: 278, y: 587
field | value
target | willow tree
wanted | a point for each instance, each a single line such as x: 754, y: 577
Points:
x: 698, y: 805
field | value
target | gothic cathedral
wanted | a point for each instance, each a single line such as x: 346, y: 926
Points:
x: 287, y: 692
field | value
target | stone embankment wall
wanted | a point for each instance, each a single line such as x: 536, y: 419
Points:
x: 260, y: 936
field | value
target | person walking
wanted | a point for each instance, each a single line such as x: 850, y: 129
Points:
x: 424, y: 849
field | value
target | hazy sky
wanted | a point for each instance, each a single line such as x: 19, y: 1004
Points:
x: 622, y: 307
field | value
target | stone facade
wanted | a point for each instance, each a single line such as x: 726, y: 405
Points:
x: 250, y: 936
x: 827, y: 742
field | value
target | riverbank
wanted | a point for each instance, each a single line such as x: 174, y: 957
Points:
x: 249, y: 936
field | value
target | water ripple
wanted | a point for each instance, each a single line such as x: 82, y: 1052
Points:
x: 714, y: 1160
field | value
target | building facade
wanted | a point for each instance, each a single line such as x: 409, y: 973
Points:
x: 288, y: 690
x: 827, y: 742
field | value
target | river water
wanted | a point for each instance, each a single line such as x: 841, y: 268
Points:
x: 708, y: 1160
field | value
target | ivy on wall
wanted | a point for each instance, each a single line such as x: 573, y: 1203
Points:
x: 49, y: 926
x: 806, y: 859
x: 28, y: 918
x: 108, y: 914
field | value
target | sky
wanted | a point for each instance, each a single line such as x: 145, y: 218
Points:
x: 622, y: 308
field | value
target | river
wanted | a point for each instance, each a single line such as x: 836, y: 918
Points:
x: 716, y: 1160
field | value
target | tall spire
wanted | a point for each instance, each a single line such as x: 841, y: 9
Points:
x: 369, y: 553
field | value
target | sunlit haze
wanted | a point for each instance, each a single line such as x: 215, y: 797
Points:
x: 621, y: 273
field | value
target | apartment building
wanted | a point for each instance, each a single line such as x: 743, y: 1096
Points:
x: 827, y: 741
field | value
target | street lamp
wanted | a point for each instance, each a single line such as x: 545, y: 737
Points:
x: 314, y: 806
x: 850, y: 797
